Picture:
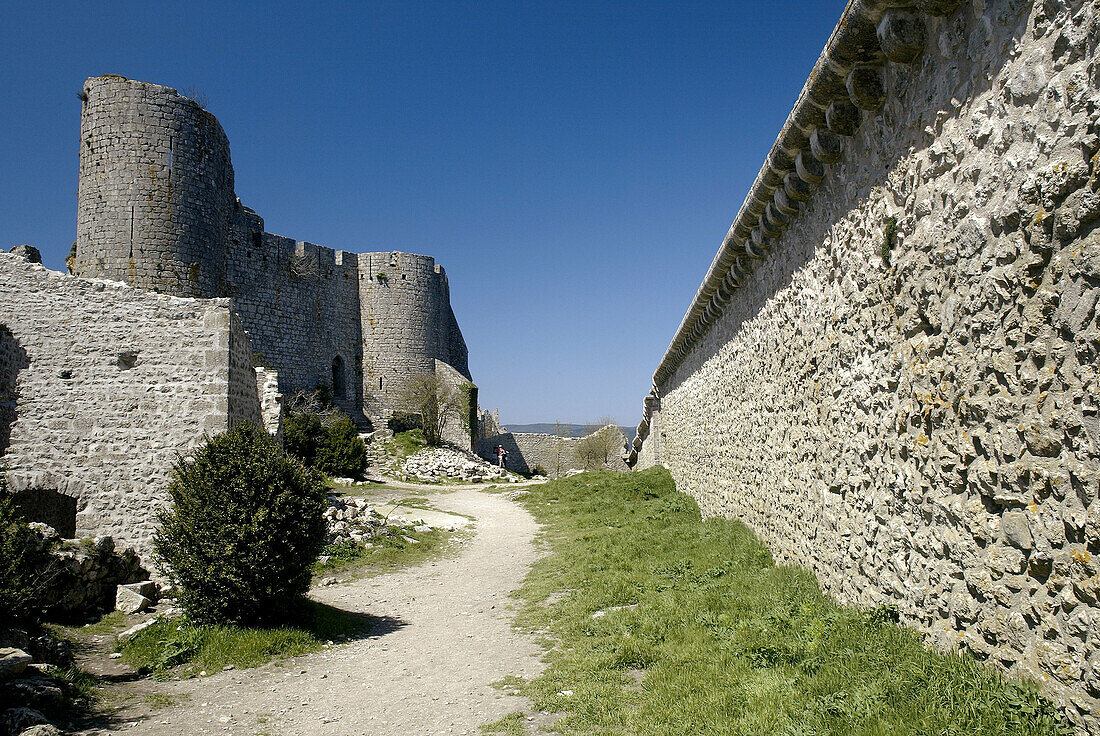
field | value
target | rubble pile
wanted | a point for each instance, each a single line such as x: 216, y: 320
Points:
x: 444, y: 463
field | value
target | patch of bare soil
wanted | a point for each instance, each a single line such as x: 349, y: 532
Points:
x: 442, y: 633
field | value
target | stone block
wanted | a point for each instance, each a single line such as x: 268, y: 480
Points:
x: 128, y: 601
x: 13, y: 662
x: 146, y: 588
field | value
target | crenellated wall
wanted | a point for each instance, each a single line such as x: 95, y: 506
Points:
x: 890, y: 370
x: 156, y: 209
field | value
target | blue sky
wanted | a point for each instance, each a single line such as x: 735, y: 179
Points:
x: 573, y: 166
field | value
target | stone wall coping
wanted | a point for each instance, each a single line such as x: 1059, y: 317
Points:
x: 845, y: 85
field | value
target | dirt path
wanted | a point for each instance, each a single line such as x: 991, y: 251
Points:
x: 444, y: 633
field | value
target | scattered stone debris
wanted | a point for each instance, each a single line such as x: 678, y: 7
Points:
x: 446, y: 463
x: 82, y: 574
x: 351, y: 520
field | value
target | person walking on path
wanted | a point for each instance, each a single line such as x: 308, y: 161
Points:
x: 501, y: 454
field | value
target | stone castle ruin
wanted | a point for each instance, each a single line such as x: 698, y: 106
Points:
x: 156, y: 209
x: 184, y: 316
x: 890, y: 370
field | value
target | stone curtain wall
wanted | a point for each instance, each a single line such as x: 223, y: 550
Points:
x: 902, y: 395
x: 243, y: 381
x: 13, y: 359
x: 155, y: 192
x: 116, y: 382
x: 300, y: 305
x: 555, y: 455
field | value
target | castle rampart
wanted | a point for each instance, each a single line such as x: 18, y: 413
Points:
x: 157, y: 210
x: 890, y: 370
x: 110, y: 384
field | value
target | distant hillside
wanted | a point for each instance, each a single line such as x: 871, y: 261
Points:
x: 569, y: 430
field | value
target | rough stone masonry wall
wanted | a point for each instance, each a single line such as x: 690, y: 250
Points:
x: 555, y: 455
x: 155, y: 192
x: 112, y: 382
x: 902, y: 395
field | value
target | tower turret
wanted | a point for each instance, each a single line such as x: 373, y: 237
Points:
x: 155, y: 193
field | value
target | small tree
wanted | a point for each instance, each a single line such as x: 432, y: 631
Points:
x: 436, y: 401
x: 329, y: 443
x: 340, y: 451
x: 596, y: 450
x: 244, y: 530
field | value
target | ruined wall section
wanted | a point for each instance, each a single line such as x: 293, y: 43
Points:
x: 155, y: 194
x: 555, y: 455
x: 407, y: 324
x: 900, y: 390
x: 244, y: 390
x: 116, y: 381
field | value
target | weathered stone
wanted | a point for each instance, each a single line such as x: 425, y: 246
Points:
x: 42, y: 729
x: 146, y: 588
x: 129, y: 601
x: 27, y: 252
x: 1014, y: 524
x: 13, y: 662
x: 17, y: 720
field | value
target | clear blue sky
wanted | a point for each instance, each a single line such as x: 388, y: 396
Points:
x: 574, y: 166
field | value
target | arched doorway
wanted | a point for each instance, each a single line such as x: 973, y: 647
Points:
x: 339, y: 385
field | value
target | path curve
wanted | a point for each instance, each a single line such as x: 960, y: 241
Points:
x: 429, y: 672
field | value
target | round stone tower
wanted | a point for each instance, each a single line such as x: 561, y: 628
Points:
x: 407, y: 325
x: 155, y: 194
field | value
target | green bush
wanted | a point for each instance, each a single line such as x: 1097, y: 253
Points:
x: 302, y: 433
x: 340, y: 451
x: 25, y: 568
x: 333, y: 448
x: 244, y: 531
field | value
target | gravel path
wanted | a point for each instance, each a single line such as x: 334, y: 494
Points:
x: 443, y: 634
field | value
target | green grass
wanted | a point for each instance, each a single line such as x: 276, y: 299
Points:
x: 510, y: 725
x: 407, y: 443
x: 174, y: 647
x: 724, y: 641
x: 390, y: 551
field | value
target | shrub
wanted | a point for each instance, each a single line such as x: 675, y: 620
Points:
x: 340, y: 451
x: 244, y: 531
x: 403, y: 422
x: 333, y: 447
x: 302, y: 434
x: 26, y: 568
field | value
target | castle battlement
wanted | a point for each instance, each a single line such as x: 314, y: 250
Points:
x: 157, y: 210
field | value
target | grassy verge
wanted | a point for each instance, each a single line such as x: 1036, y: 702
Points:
x: 407, y: 443
x: 661, y: 623
x: 391, y: 550
x: 174, y: 647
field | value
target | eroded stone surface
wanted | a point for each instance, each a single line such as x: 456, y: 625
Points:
x: 915, y: 418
